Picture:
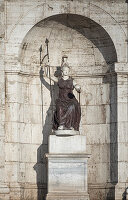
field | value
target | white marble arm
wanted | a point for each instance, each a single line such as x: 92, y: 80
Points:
x: 76, y: 86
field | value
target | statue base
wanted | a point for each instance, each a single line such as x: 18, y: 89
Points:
x: 62, y: 196
x: 67, y: 177
x: 67, y: 145
x: 67, y: 168
x: 66, y: 132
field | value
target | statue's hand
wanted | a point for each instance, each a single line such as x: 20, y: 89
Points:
x: 78, y: 88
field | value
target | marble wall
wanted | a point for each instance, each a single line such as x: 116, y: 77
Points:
x: 93, y: 36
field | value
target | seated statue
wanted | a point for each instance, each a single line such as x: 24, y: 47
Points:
x: 68, y: 113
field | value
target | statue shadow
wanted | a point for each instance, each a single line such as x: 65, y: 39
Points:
x: 41, y: 166
x: 111, y: 78
x: 124, y: 196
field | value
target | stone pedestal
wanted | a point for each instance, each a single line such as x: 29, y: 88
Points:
x: 67, y: 168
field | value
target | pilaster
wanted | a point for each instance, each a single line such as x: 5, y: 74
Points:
x: 122, y: 123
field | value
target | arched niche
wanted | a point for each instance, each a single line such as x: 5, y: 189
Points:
x: 91, y: 54
x: 36, y: 13
x: 86, y: 28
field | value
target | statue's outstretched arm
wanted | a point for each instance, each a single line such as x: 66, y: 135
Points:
x: 43, y: 81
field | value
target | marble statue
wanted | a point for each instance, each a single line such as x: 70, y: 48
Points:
x: 68, y: 112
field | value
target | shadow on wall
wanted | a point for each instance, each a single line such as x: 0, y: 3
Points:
x: 112, y: 80
x: 41, y: 165
x: 125, y: 194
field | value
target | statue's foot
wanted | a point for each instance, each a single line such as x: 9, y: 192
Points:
x: 61, y: 127
x: 71, y: 128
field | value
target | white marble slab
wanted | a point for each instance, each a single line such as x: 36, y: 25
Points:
x: 67, y: 173
x: 70, y: 144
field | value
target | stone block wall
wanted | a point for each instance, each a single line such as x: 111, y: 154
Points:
x: 87, y: 33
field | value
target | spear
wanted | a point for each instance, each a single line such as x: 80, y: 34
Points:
x: 47, y: 54
x: 46, y: 41
x: 49, y: 70
x: 41, y: 62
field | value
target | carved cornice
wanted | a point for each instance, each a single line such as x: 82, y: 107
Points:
x: 76, y: 76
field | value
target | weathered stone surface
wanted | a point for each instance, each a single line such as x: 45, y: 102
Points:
x: 94, y: 38
x: 67, y: 176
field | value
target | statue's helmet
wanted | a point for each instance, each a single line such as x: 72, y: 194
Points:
x: 64, y: 62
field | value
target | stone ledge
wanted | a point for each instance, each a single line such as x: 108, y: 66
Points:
x: 65, y: 196
x: 66, y: 132
x: 77, y: 156
x: 121, y: 68
x: 101, y: 186
x: 4, y: 189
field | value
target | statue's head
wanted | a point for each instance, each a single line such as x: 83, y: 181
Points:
x: 65, y: 69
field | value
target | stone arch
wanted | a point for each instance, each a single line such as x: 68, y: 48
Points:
x: 88, y: 10
x: 83, y: 25
x: 92, y: 31
x: 98, y: 37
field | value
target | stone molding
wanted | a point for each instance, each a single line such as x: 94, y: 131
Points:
x: 121, y: 68
x: 66, y: 132
x: 78, y: 156
x: 4, y: 189
x: 25, y: 73
x: 101, y: 185
x: 62, y: 196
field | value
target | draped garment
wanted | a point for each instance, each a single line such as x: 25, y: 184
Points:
x: 68, y: 112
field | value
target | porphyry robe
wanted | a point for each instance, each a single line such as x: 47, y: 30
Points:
x: 68, y: 112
